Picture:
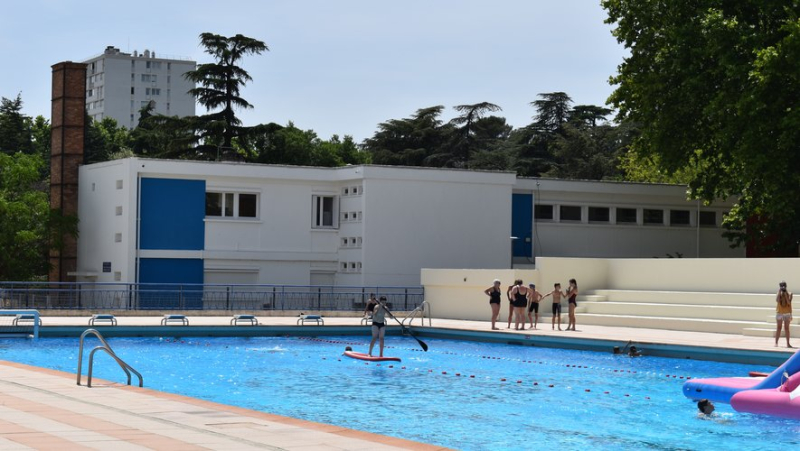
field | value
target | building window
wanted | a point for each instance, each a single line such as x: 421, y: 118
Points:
x: 570, y: 213
x: 599, y: 214
x: 345, y: 191
x: 679, y: 217
x: 231, y: 205
x: 708, y: 219
x: 133, y: 90
x: 344, y: 242
x: 248, y: 205
x: 119, y: 184
x: 118, y: 210
x: 653, y: 217
x: 117, y: 237
x: 324, y: 212
x: 626, y: 216
x: 543, y: 212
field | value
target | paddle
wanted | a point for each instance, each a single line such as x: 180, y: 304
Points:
x: 422, y: 344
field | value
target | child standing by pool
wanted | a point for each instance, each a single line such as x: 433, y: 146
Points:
x: 557, y: 295
x: 533, y: 307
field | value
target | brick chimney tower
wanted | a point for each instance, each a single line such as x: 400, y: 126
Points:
x: 68, y: 128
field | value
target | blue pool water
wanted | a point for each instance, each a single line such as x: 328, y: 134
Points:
x: 597, y: 401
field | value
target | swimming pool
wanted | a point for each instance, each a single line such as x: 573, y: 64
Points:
x: 463, y: 395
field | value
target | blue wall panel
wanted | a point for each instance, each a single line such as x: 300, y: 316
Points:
x: 522, y: 224
x: 171, y: 271
x: 172, y: 213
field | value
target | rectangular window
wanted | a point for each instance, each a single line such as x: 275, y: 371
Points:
x: 133, y: 90
x: 570, y: 213
x: 118, y: 210
x: 232, y: 205
x: 543, y: 212
x: 599, y: 214
x: 653, y: 217
x: 626, y: 216
x: 708, y: 219
x: 213, y: 204
x: 679, y: 217
x: 248, y: 206
x: 344, y: 242
x: 147, y: 64
x: 324, y: 212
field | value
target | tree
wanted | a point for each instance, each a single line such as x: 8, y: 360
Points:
x: 221, y: 82
x: 15, y: 131
x: 410, y: 141
x: 552, y: 111
x: 105, y: 138
x: 714, y: 86
x: 463, y: 142
x: 29, y: 227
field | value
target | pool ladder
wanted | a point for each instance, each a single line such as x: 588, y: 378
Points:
x: 421, y: 311
x: 107, y: 348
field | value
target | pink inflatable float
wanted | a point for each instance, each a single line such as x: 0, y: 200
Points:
x: 783, y: 401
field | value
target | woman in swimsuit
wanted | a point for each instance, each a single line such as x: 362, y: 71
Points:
x: 510, y: 304
x: 378, y: 324
x: 370, y: 307
x: 783, y: 312
x: 519, y: 294
x: 572, y: 294
x: 533, y: 307
x: 494, y: 301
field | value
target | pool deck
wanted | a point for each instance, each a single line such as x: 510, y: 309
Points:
x: 45, y: 409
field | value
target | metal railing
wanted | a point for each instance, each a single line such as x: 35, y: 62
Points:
x: 422, y: 311
x: 107, y: 348
x: 165, y: 297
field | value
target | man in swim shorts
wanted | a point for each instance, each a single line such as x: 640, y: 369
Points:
x: 533, y: 305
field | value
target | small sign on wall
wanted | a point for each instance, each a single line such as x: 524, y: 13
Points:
x: 106, y: 266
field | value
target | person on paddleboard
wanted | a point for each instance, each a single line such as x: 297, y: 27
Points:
x: 378, y: 325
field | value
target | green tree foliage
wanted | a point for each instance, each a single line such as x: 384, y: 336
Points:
x: 105, y: 139
x: 715, y: 85
x: 15, y: 128
x: 221, y: 83
x: 410, y: 141
x: 29, y: 228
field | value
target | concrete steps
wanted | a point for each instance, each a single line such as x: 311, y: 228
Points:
x: 657, y: 322
x: 732, y: 313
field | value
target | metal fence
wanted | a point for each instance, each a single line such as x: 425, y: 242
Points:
x: 111, y: 296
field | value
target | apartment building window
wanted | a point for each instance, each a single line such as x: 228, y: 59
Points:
x: 132, y: 90
x: 543, y: 212
x: 599, y: 214
x: 708, y: 219
x: 324, y: 211
x: 679, y: 218
x: 152, y: 91
x: 626, y: 216
x: 231, y: 205
x: 653, y: 217
x: 570, y: 213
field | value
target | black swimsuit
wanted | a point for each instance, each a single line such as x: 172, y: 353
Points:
x: 494, y: 296
x: 572, y: 300
x: 522, y: 299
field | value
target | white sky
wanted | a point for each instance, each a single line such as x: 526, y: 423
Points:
x: 337, y: 67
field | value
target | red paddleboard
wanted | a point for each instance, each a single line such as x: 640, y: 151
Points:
x: 370, y: 358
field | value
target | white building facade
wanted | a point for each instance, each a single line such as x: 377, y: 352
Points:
x: 574, y: 218
x: 119, y: 84
x: 161, y: 221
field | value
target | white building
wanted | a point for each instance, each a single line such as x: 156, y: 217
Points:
x: 574, y: 218
x: 119, y: 84
x: 159, y: 221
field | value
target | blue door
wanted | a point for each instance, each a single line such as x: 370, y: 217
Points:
x: 522, y: 224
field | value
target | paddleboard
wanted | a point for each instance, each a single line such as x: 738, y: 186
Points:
x: 370, y: 358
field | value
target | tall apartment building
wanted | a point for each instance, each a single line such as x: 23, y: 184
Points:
x: 119, y: 84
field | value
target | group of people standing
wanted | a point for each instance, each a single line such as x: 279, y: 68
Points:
x: 522, y: 298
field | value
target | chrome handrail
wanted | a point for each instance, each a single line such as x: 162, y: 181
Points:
x: 421, y: 310
x: 105, y: 347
